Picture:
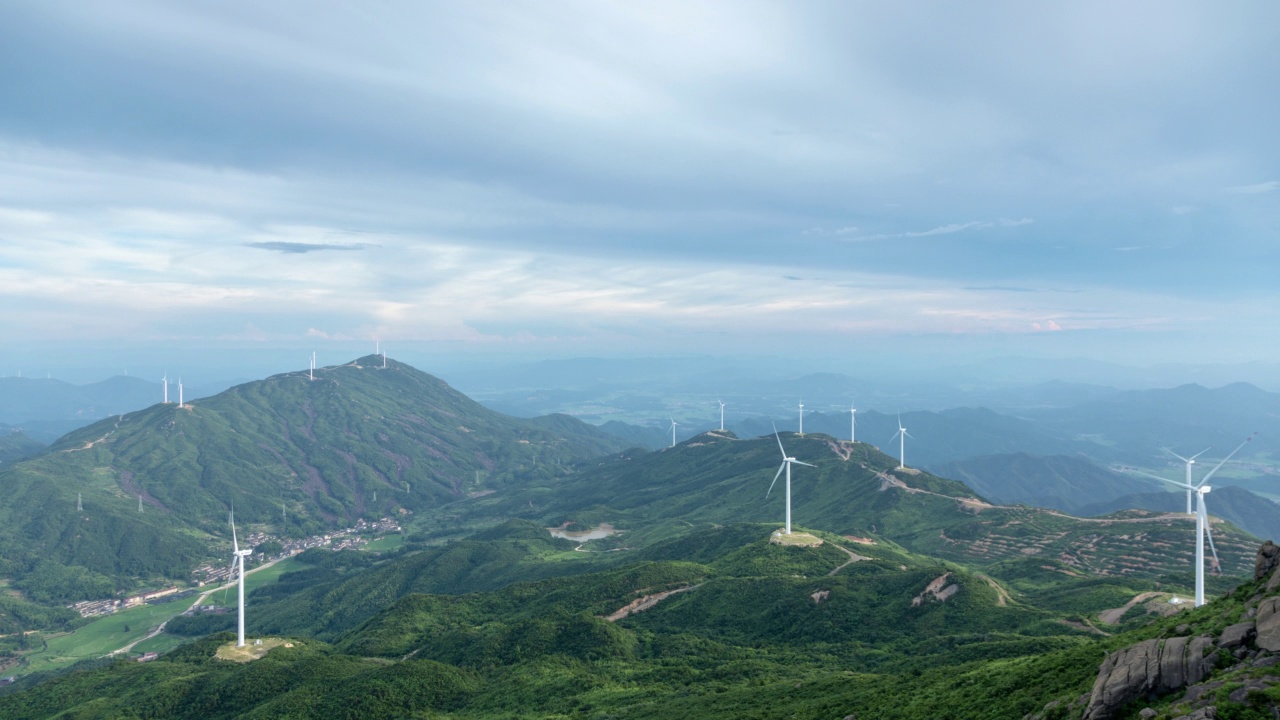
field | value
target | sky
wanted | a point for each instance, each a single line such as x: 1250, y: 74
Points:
x: 941, y: 180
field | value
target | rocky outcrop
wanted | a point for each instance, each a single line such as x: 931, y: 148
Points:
x: 1266, y: 561
x: 1268, y: 623
x: 1148, y: 669
x: 936, y: 591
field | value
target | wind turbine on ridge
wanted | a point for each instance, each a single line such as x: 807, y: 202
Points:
x: 165, y: 380
x: 787, y: 462
x: 802, y: 418
x: 238, y: 555
x: 853, y: 424
x: 902, y: 436
x: 1203, y: 530
x: 721, y: 415
x: 673, y: 432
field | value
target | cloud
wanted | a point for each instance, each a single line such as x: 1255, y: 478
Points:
x: 820, y: 232
x: 948, y: 229
x: 1257, y: 189
x: 298, y: 247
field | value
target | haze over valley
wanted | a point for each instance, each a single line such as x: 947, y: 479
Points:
x: 664, y: 360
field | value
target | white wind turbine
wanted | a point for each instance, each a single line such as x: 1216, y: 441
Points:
x: 179, y: 392
x: 853, y: 424
x: 802, y: 418
x: 238, y: 555
x: 311, y: 374
x: 1203, y: 531
x: 721, y: 415
x: 786, y: 465
x: 902, y: 436
x: 165, y: 380
x: 673, y: 432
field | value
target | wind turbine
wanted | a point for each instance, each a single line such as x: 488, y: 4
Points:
x: 902, y: 436
x: 786, y: 465
x: 1202, y: 516
x: 721, y: 415
x: 853, y: 424
x: 179, y: 392
x: 802, y: 418
x: 165, y: 380
x: 238, y: 555
x: 673, y: 432
x: 311, y: 374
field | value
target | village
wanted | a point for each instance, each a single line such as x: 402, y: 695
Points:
x: 347, y: 538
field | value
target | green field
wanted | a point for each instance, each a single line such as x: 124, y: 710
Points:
x: 253, y: 580
x: 108, y: 633
x: 101, y: 636
x: 384, y: 544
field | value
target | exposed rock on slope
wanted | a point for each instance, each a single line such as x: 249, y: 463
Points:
x: 1202, y: 664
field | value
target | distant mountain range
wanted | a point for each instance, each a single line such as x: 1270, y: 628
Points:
x: 1077, y: 486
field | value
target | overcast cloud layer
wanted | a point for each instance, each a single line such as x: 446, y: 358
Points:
x: 565, y: 177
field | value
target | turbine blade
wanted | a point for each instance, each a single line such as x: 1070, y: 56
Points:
x: 1218, y: 467
x: 775, y: 479
x: 235, y: 545
x: 1157, y: 477
x: 797, y: 462
x: 1209, y: 534
x: 1176, y: 455
x: 779, y: 439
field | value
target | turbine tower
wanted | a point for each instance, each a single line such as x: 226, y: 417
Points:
x: 1189, y: 461
x: 801, y: 418
x: 902, y: 436
x: 721, y: 415
x: 673, y: 432
x: 853, y: 425
x: 238, y: 555
x: 165, y: 380
x: 179, y: 392
x: 311, y: 374
x: 787, y: 462
x: 1203, y: 532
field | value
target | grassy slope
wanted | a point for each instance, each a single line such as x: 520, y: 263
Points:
x: 1060, y: 561
x: 541, y: 649
x: 324, y: 448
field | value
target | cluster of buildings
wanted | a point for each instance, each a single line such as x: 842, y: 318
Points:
x: 351, y: 537
x: 106, y: 607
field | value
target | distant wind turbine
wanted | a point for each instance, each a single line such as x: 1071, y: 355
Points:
x: 673, y: 432
x: 1203, y: 531
x: 238, y: 555
x: 787, y: 462
x: 179, y: 392
x: 902, y: 436
x: 721, y: 415
x: 165, y: 380
x: 311, y: 374
x: 802, y: 418
x: 853, y: 424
